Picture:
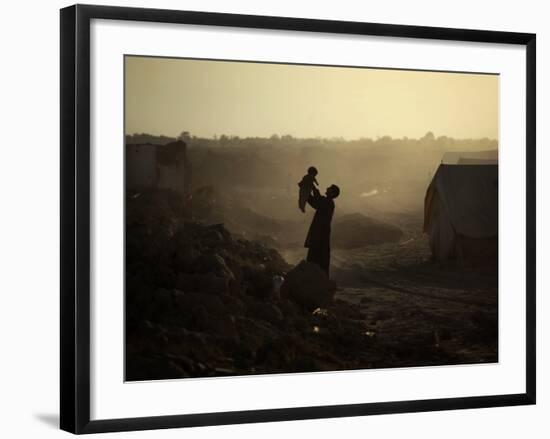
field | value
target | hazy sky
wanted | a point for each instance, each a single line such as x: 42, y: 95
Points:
x: 207, y: 98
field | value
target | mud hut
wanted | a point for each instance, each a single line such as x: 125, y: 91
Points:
x: 151, y: 166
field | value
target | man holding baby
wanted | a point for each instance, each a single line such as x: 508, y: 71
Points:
x: 318, y: 237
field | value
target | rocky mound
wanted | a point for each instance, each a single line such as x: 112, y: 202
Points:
x: 200, y: 302
x: 356, y: 230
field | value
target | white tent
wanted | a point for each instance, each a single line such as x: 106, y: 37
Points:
x: 461, y: 213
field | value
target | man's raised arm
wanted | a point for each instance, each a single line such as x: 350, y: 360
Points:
x: 314, y: 198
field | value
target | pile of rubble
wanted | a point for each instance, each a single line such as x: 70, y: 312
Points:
x: 201, y: 303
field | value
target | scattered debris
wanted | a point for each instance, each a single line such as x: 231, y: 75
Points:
x: 320, y: 312
x: 203, y: 302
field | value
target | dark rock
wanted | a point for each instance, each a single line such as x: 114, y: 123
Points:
x: 162, y: 305
x: 205, y: 313
x: 214, y: 323
x: 215, y: 277
x: 265, y: 311
x: 233, y: 305
x: 186, y: 302
x: 254, y: 333
x: 164, y: 276
x: 163, y: 297
x: 185, y: 258
x: 309, y: 286
x: 258, y: 283
x: 212, y: 284
x: 138, y: 294
x: 186, y: 282
x: 215, y: 235
x: 289, y: 309
x: 382, y: 315
x: 211, y: 263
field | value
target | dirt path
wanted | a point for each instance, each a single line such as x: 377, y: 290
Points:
x: 410, y: 304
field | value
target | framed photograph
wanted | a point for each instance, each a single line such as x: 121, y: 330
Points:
x: 268, y: 219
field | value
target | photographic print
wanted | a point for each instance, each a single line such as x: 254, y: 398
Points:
x: 285, y: 218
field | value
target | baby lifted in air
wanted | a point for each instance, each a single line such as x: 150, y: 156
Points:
x: 306, y: 185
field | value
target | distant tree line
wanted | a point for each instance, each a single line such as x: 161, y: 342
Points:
x: 427, y: 142
x: 279, y: 162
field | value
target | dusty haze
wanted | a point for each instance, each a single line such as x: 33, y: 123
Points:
x: 253, y: 129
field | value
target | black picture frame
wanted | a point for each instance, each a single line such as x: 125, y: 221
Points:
x: 75, y: 217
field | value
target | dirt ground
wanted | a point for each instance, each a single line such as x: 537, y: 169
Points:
x: 201, y: 301
x: 408, y: 301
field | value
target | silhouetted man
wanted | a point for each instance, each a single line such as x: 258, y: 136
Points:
x: 318, y: 237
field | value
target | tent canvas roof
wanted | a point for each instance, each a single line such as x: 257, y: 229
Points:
x: 489, y: 157
x: 469, y: 194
